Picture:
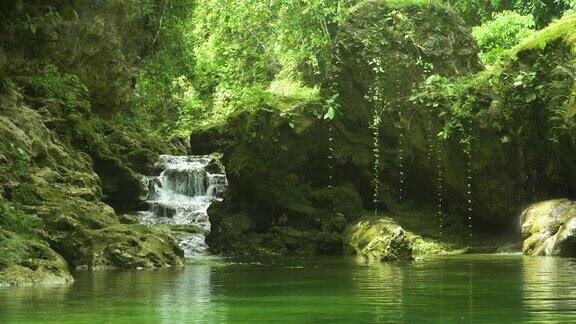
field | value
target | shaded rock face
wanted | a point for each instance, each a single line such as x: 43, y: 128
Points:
x: 277, y: 164
x: 374, y: 240
x: 410, y: 42
x: 549, y: 228
x: 276, y: 193
x: 392, y: 50
x: 517, y: 152
x: 101, y: 42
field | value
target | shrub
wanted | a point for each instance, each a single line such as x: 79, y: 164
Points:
x: 502, y: 33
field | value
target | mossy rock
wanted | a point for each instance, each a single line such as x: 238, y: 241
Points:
x: 142, y: 161
x: 549, y: 228
x: 39, y: 265
x: 375, y: 240
x: 215, y: 165
x: 118, y: 246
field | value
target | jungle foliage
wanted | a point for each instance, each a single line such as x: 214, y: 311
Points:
x: 502, y: 33
x: 477, y: 12
x: 213, y: 60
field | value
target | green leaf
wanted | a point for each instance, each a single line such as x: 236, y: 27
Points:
x: 330, y: 113
x: 542, y: 43
x: 433, y: 78
x: 530, y: 97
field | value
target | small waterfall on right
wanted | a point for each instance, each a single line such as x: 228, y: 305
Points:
x: 181, y: 195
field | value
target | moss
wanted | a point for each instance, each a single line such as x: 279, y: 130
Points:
x: 549, y: 228
x: 118, y: 246
x: 29, y: 262
x: 378, y: 239
x: 25, y: 193
x: 562, y: 29
x: 142, y: 160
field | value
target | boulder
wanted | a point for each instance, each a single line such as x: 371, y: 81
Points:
x: 382, y: 239
x: 38, y: 265
x: 549, y: 228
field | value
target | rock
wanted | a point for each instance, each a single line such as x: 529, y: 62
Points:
x: 122, y: 187
x: 380, y: 239
x: 215, y: 165
x: 210, y: 140
x: 39, y: 265
x: 118, y: 246
x: 549, y: 228
x: 342, y: 199
x: 143, y: 161
x: 128, y: 219
x: 58, y: 160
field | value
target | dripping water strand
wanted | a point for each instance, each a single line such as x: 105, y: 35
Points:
x: 375, y: 97
x: 440, y: 196
x: 330, y: 155
x: 401, y: 159
x: 430, y: 143
x: 469, y: 158
x: 337, y: 71
x: 331, y: 165
x: 376, y: 150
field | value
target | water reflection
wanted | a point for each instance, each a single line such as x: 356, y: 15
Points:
x: 188, y: 297
x: 549, y: 289
x: 471, y: 289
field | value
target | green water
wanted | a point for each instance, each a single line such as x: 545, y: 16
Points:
x: 479, y: 289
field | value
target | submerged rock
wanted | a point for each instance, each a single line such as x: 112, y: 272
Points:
x: 378, y: 240
x: 549, y: 228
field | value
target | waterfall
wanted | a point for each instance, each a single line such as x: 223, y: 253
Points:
x: 181, y: 195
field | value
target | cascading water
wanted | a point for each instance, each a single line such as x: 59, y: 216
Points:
x: 181, y: 195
